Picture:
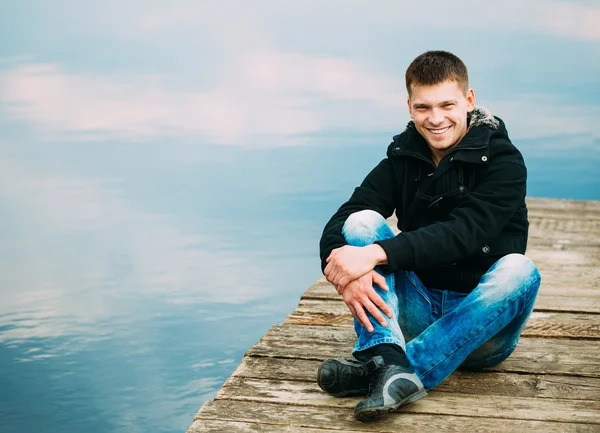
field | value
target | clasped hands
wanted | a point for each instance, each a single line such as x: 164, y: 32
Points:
x: 351, y: 270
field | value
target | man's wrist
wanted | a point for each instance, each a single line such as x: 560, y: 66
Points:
x: 377, y: 254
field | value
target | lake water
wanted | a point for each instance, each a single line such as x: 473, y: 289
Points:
x: 166, y: 170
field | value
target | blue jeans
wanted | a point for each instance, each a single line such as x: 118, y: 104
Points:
x: 442, y: 330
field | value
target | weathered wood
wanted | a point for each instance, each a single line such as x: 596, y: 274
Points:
x: 540, y: 324
x: 533, y: 355
x: 343, y: 419
x: 547, y: 290
x: 567, y: 205
x: 218, y: 426
x: 575, y: 304
x: 558, y: 227
x: 548, y: 259
x: 579, y: 270
x: 564, y: 325
x: 488, y: 382
x: 515, y: 407
x: 570, y: 207
x: 551, y: 298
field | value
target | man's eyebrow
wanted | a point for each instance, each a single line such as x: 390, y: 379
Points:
x: 423, y: 105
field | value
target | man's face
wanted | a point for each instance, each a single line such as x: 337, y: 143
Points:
x: 439, y: 112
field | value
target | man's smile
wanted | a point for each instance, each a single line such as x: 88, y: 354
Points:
x: 439, y: 131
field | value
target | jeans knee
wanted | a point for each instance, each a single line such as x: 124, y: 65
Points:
x: 513, y: 274
x: 364, y: 227
x: 519, y: 268
x: 520, y: 264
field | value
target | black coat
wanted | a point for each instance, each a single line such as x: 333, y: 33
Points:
x: 456, y: 219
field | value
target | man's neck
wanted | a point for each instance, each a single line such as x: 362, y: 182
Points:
x: 438, y: 155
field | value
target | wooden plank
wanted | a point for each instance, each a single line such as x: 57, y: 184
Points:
x: 564, y: 262
x: 562, y: 280
x: 563, y: 325
x: 512, y: 407
x: 488, y: 382
x: 567, y: 304
x: 218, y: 426
x: 343, y: 419
x: 572, y: 207
x: 558, y: 228
x: 533, y: 355
x: 540, y: 324
x: 551, y: 297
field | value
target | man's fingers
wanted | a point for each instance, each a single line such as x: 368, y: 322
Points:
x: 334, y: 276
x: 380, y: 281
x: 340, y: 289
x: 327, y: 269
x: 375, y: 312
x: 362, y: 317
x: 344, y: 280
x: 352, y: 309
x: 380, y: 303
x: 332, y: 254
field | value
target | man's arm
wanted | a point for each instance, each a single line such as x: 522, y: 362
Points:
x: 348, y: 263
x: 375, y: 193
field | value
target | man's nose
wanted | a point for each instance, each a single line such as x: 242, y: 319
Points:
x: 436, y: 116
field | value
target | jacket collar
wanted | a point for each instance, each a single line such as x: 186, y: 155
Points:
x: 473, y: 148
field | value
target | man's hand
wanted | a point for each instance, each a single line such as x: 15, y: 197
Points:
x: 360, y: 295
x: 349, y: 263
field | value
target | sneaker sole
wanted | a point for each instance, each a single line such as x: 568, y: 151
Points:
x: 370, y: 414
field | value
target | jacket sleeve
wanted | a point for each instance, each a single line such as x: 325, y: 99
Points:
x: 478, y: 219
x: 376, y: 192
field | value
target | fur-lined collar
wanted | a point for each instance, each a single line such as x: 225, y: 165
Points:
x: 478, y: 117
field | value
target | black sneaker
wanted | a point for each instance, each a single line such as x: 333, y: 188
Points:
x: 390, y: 387
x: 343, y: 377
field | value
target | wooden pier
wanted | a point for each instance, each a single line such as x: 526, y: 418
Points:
x: 551, y: 383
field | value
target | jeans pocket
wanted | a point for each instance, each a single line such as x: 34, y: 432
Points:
x: 416, y: 283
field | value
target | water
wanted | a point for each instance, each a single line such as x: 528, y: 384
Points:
x: 166, y: 171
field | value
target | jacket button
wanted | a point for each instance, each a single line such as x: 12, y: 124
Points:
x: 485, y: 249
x: 396, y: 148
x: 484, y: 158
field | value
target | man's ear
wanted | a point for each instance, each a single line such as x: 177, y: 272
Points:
x: 470, y: 100
x: 409, y: 107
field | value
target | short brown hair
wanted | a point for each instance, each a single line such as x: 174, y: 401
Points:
x: 434, y: 67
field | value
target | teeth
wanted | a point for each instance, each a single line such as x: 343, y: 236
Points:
x: 439, y: 131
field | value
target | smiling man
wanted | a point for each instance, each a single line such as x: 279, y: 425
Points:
x: 453, y: 288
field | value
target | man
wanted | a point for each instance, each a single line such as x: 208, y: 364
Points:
x: 453, y: 288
